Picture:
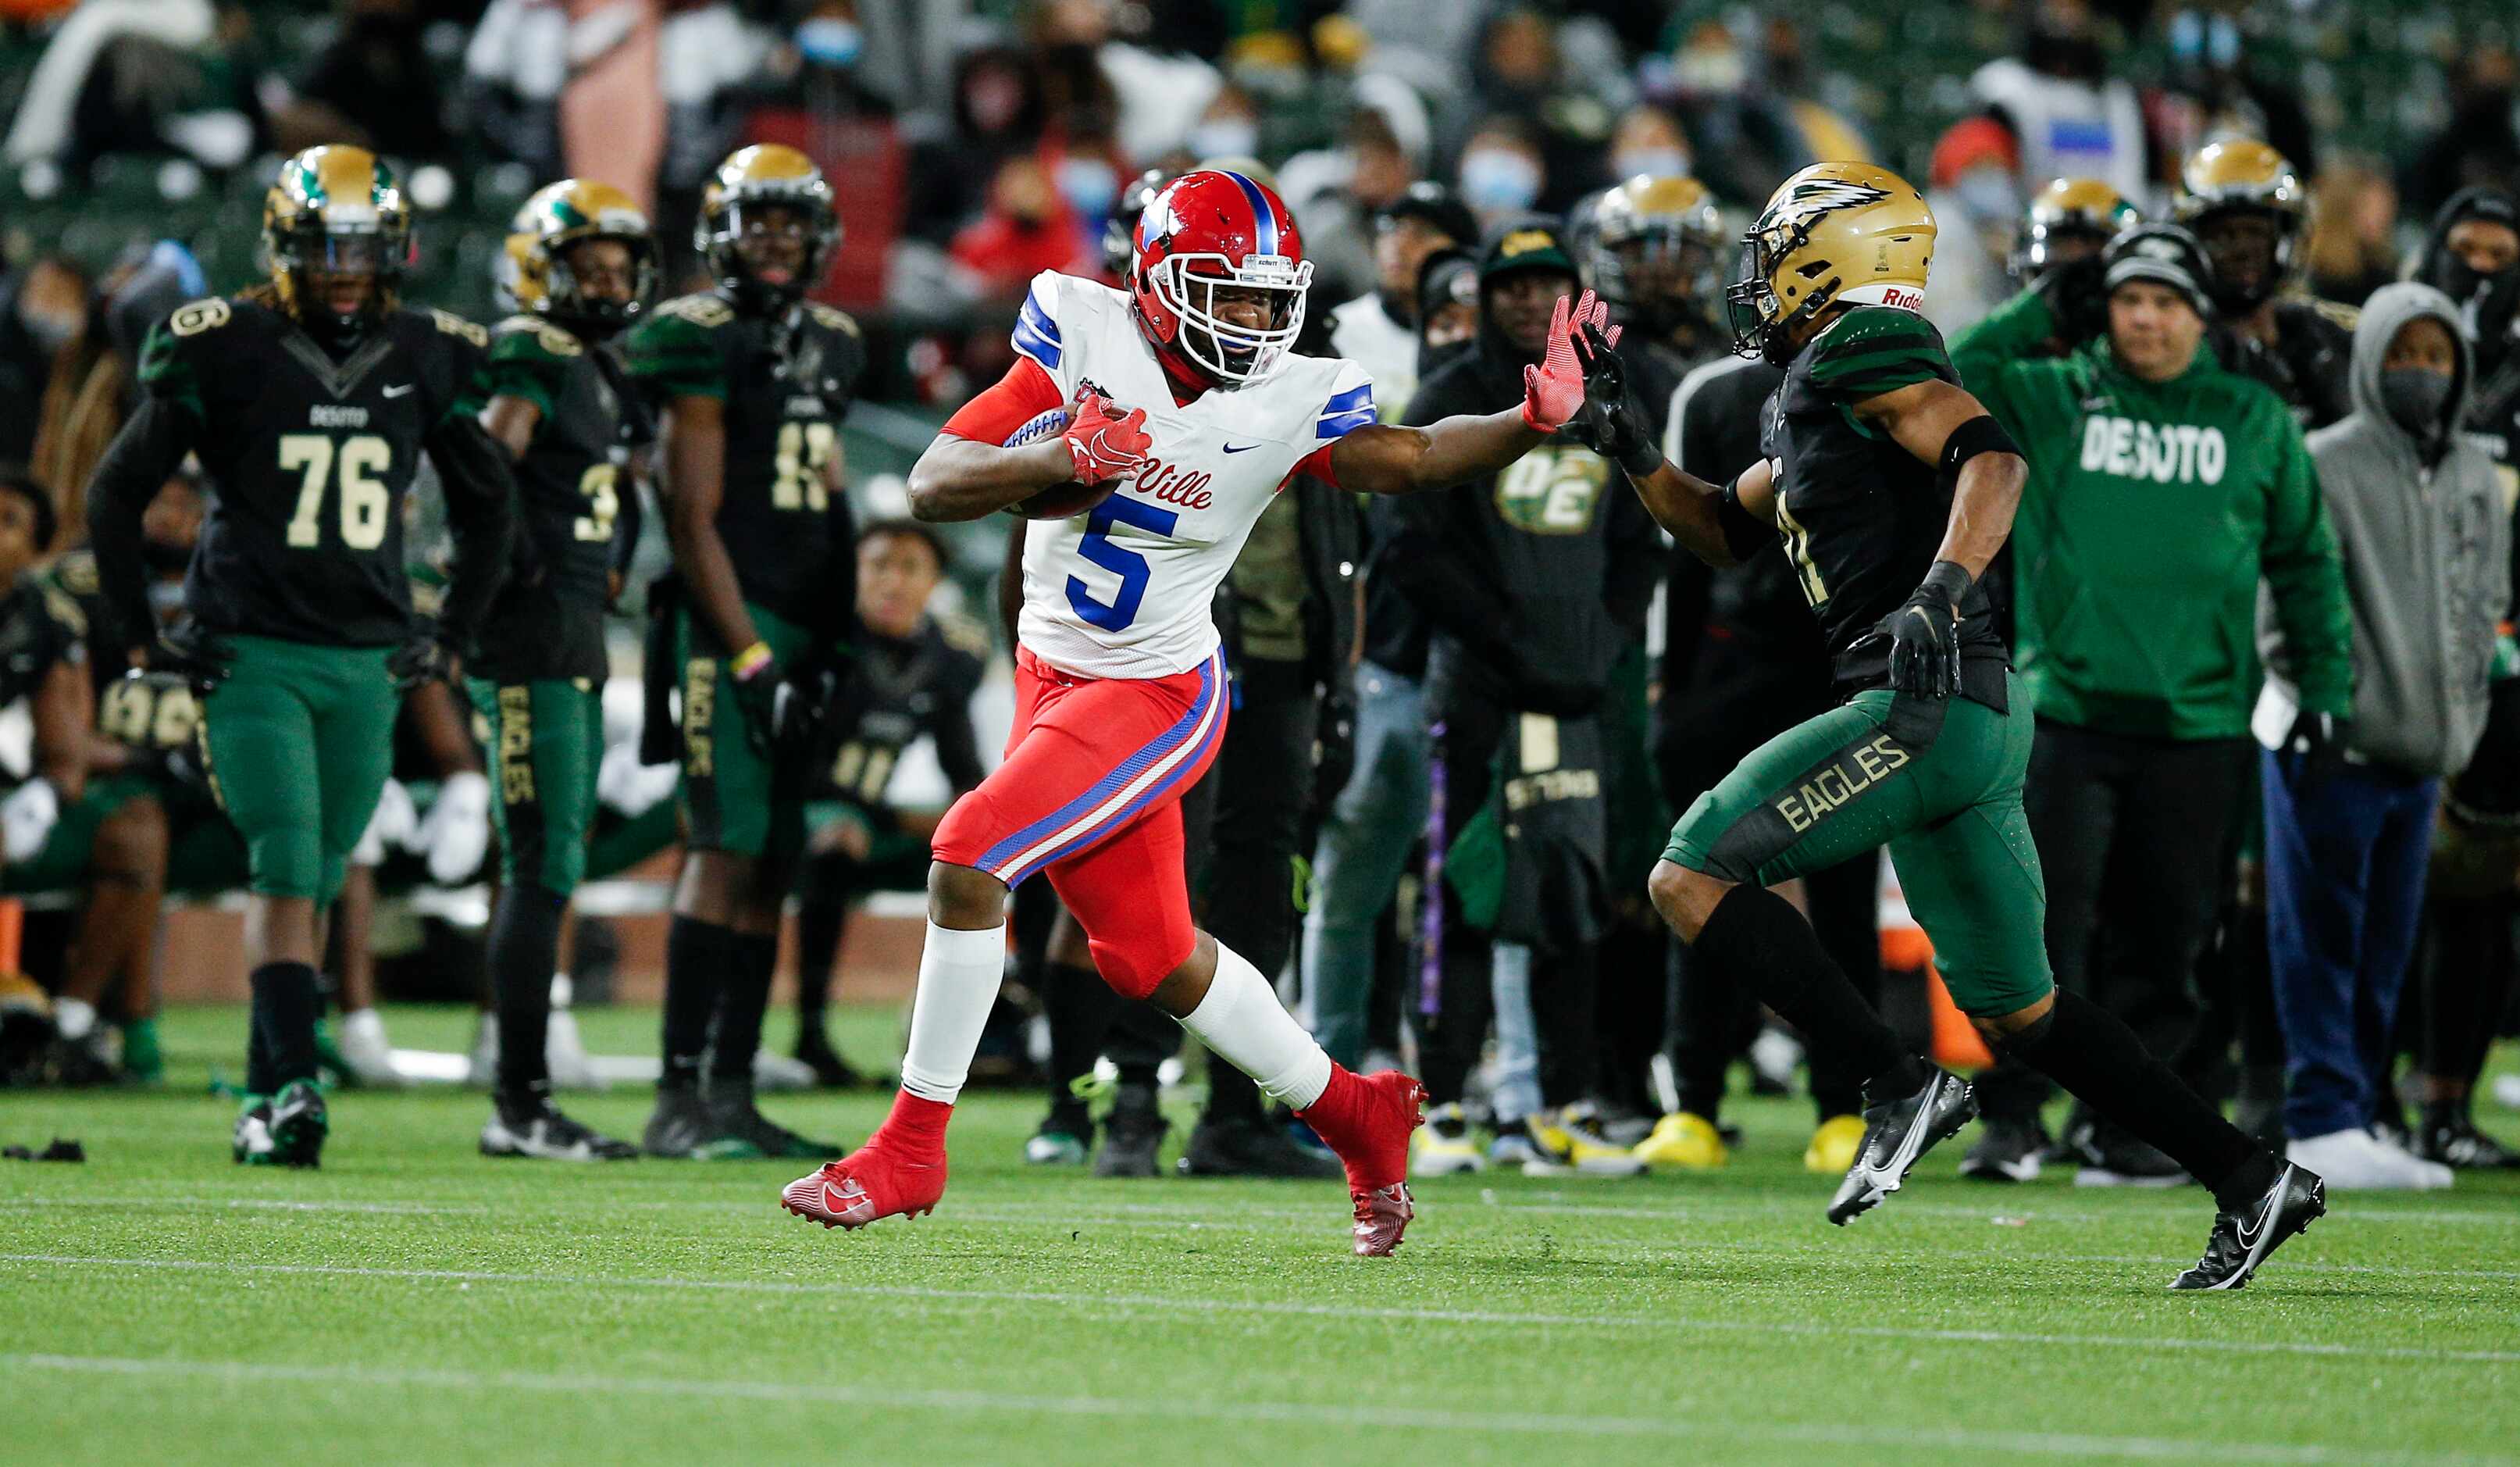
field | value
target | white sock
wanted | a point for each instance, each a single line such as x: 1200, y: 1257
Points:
x: 364, y: 1024
x: 563, y: 992
x: 959, y: 971
x: 1241, y: 1020
x: 73, y: 1019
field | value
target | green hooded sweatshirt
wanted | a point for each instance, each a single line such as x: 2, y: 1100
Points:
x: 2151, y: 512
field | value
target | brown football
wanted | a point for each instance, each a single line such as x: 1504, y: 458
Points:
x: 1064, y: 501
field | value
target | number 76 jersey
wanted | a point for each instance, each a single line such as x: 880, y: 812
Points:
x: 1125, y: 590
x: 787, y: 382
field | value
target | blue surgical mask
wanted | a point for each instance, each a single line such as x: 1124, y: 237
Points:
x: 1089, y: 185
x: 1495, y: 180
x: 1225, y: 137
x: 829, y: 41
x: 1658, y: 163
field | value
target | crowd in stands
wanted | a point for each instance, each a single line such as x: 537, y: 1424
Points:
x: 2253, y: 325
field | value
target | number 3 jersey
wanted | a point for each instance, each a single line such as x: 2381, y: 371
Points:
x: 1124, y: 590
x: 786, y: 383
x: 308, y: 457
x: 574, y: 497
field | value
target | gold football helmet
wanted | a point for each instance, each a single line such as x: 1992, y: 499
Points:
x: 764, y: 176
x: 335, y: 210
x: 2242, y: 175
x: 1652, y: 248
x: 2069, y: 209
x: 1834, y: 233
x: 534, y: 273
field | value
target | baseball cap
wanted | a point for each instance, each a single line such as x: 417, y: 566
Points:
x: 1434, y: 206
x: 1534, y: 243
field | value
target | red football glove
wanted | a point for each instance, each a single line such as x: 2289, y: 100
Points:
x: 1106, y: 446
x: 1554, y: 391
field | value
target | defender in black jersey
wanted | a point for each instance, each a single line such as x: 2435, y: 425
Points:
x: 309, y: 400
x: 1882, y: 475
x: 751, y: 380
x: 579, y: 266
x: 914, y: 676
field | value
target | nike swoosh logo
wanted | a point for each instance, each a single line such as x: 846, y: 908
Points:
x: 1245, y: 448
x: 401, y: 390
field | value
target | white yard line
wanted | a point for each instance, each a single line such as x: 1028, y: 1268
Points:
x: 1274, y: 1413
x: 1193, y: 1304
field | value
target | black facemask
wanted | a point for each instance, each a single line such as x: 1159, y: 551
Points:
x: 2485, y: 301
x: 2414, y: 397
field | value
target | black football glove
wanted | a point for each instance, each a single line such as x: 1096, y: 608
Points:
x: 1926, y: 635
x: 2316, y: 746
x: 1611, y: 423
x: 194, y: 653
x: 425, y: 659
x: 800, y: 710
x: 757, y: 698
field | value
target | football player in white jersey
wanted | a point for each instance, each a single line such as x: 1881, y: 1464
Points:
x: 1147, y: 429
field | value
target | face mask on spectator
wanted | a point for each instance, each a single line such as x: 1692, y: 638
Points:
x: 1225, y: 137
x: 1497, y: 179
x: 49, y: 327
x: 1658, y: 163
x: 2414, y: 396
x: 829, y: 41
x: 2485, y: 301
x: 1089, y: 185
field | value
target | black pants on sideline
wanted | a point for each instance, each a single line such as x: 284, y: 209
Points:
x: 1738, y: 698
x: 1564, y: 985
x: 2130, y: 838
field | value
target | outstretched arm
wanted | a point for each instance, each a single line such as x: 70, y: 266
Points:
x: 1721, y: 527
x: 1381, y: 459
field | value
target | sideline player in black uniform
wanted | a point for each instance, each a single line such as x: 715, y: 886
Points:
x: 1881, y: 472
x: 753, y: 380
x: 309, y: 400
x: 579, y: 265
x: 915, y: 675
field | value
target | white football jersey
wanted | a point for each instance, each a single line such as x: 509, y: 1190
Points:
x: 1124, y: 590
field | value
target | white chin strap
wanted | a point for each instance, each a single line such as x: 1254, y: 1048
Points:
x: 1214, y: 343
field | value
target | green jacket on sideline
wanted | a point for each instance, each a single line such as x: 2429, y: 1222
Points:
x: 2151, y: 512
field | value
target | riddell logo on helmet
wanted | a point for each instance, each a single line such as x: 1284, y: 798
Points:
x: 1913, y: 301
x: 1166, y: 484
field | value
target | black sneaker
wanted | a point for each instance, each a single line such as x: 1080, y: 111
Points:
x: 2006, y: 1151
x: 1132, y: 1134
x: 1895, y: 1136
x: 683, y: 1129
x: 531, y: 1126
x: 288, y: 1129
x: 2455, y: 1141
x: 2111, y: 1158
x: 2241, y: 1241
x: 1252, y: 1148
x: 830, y: 1072
x: 732, y: 1111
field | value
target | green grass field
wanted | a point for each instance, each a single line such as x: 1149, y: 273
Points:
x: 416, y: 1302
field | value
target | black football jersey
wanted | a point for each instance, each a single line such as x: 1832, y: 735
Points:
x: 1862, y: 517
x: 548, y: 621
x: 41, y: 626
x: 787, y: 382
x: 896, y: 692
x: 308, y: 458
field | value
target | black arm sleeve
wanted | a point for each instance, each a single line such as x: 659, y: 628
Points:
x: 143, y: 456
x: 482, y: 512
x: 958, y: 743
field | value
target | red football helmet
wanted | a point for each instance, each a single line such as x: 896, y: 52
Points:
x: 1211, y: 231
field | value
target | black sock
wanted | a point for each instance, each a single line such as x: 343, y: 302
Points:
x: 286, y: 1002
x: 2098, y: 1060
x: 524, y: 946
x: 818, y: 951
x: 698, y: 956
x: 1079, y: 1007
x: 1757, y: 937
x: 741, y: 1000
x: 1143, y: 1036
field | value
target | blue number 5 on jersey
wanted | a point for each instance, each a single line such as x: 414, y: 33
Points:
x: 1128, y: 564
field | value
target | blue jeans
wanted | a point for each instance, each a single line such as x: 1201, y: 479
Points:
x: 2345, y: 884
x: 1364, y: 846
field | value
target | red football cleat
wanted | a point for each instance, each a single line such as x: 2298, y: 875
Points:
x: 868, y: 1184
x: 1366, y: 1120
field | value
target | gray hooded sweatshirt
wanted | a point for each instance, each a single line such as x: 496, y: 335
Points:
x: 2427, y: 563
